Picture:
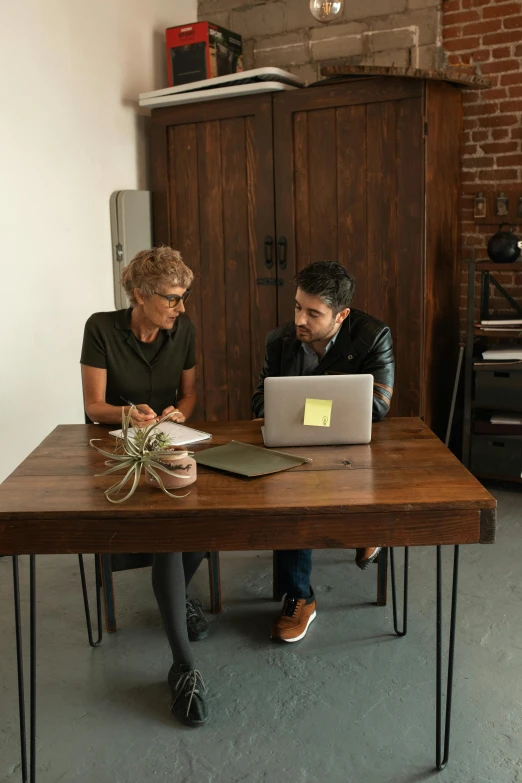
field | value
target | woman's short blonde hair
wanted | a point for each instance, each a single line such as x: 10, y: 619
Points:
x: 152, y: 269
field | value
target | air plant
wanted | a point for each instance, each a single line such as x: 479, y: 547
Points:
x: 144, y: 448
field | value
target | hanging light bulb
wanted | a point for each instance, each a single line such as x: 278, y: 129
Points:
x: 326, y: 10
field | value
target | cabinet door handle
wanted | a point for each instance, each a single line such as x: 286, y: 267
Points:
x: 269, y: 243
x: 281, y: 244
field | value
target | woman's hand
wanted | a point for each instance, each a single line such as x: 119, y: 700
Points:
x: 174, y: 414
x: 142, y: 415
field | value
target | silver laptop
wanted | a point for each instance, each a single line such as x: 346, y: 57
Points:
x: 289, y: 400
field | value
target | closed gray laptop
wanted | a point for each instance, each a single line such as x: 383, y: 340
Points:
x: 349, y: 416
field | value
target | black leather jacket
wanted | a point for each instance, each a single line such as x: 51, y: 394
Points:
x: 364, y: 345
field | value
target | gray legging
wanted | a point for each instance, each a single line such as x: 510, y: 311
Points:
x: 171, y: 574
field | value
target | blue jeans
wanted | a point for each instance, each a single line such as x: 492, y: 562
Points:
x: 293, y: 568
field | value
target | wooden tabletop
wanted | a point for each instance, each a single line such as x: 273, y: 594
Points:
x: 405, y: 488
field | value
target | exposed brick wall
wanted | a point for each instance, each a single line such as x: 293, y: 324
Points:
x: 283, y: 33
x: 485, y: 37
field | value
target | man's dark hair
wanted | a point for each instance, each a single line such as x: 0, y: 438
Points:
x: 329, y: 281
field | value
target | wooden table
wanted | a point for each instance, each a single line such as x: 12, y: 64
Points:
x: 404, y: 489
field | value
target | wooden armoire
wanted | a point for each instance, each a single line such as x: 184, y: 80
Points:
x: 365, y: 172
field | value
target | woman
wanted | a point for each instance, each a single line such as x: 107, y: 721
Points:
x: 146, y: 355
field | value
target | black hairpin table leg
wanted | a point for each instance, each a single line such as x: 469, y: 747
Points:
x: 98, y: 580
x: 32, y: 669
x: 382, y: 577
x: 405, y: 593
x: 442, y: 760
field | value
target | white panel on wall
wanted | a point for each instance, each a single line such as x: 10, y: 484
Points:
x: 131, y: 231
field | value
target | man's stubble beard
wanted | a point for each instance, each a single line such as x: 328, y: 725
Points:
x: 313, y: 337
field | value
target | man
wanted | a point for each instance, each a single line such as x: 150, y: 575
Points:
x: 327, y: 337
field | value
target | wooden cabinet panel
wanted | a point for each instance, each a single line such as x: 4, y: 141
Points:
x: 410, y: 340
x: 442, y: 273
x: 352, y: 197
x: 213, y: 200
x: 322, y: 182
x: 350, y: 187
x: 235, y: 150
x: 381, y: 220
x: 212, y: 279
x: 183, y: 204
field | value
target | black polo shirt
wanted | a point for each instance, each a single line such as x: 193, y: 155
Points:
x: 134, y: 370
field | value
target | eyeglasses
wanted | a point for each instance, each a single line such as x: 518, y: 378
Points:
x: 175, y: 299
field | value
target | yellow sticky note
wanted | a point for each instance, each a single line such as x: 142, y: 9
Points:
x: 318, y: 413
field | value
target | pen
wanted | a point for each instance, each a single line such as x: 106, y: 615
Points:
x: 131, y: 404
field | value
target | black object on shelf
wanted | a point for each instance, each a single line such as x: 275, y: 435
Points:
x: 504, y: 247
x: 490, y: 450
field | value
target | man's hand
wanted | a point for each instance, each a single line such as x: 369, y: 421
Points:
x: 174, y: 414
x: 142, y: 415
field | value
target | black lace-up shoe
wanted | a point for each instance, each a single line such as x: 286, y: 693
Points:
x: 197, y: 624
x: 189, y: 703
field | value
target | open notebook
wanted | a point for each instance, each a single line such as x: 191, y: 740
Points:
x: 179, y: 434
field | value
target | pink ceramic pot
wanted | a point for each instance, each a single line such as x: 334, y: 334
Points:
x: 188, y: 468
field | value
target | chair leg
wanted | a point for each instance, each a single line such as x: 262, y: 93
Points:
x: 86, y: 600
x: 214, y: 576
x: 382, y: 577
x: 108, y: 594
x: 277, y: 595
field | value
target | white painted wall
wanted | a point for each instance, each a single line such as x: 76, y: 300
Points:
x: 70, y: 134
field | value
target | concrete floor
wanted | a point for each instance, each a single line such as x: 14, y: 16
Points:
x: 351, y: 702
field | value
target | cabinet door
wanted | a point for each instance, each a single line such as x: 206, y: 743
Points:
x: 349, y: 165
x: 213, y: 199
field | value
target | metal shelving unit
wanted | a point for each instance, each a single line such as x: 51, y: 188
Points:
x: 486, y: 269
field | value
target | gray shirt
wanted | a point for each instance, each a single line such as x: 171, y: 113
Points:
x: 311, y: 359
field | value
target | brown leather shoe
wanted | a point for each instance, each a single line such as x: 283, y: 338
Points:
x: 296, y: 615
x: 364, y: 557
